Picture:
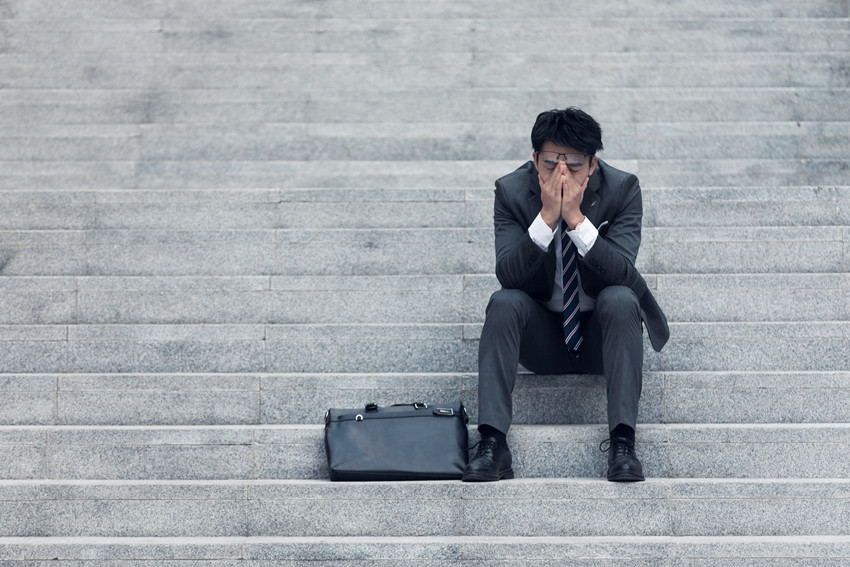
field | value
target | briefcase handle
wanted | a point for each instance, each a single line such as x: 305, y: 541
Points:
x: 372, y: 406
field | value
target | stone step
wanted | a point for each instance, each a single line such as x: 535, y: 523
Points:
x: 745, y: 206
x: 431, y: 348
x: 483, y: 551
x: 713, y: 250
x: 320, y: 299
x: 376, y: 32
x: 394, y: 252
x: 536, y: 507
x: 63, y: 10
x: 254, y: 252
x: 483, y: 34
x: 406, y: 70
x: 400, y: 207
x: 233, y: 209
x: 298, y: 451
x: 635, y: 104
x: 763, y: 397
x: 80, y: 175
x: 362, y: 141
x: 193, y: 175
x: 753, y: 297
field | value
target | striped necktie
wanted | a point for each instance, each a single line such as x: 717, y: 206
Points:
x: 572, y: 327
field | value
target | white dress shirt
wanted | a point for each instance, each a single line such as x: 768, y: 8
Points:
x: 584, y: 237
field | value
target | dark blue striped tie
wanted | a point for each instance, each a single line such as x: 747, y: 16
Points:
x: 572, y: 326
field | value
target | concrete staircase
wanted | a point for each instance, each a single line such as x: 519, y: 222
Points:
x: 222, y: 218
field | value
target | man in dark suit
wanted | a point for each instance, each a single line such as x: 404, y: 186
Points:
x: 571, y: 305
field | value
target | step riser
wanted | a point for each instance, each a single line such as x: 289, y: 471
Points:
x: 214, y: 107
x: 379, y: 349
x: 576, y: 508
x: 481, y: 552
x: 308, y: 35
x: 445, y: 10
x: 287, y: 453
x: 403, y: 306
x: 410, y: 71
x: 804, y: 397
x: 449, y: 146
x: 184, y: 212
x: 379, y: 257
x: 256, y: 258
x: 382, y: 298
x: 202, y: 175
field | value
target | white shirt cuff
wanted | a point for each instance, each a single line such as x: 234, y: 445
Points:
x: 584, y: 236
x: 540, y: 233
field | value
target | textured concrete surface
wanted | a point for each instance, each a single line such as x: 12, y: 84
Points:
x: 221, y: 219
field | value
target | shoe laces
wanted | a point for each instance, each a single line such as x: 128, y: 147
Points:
x: 620, y: 446
x: 485, y: 445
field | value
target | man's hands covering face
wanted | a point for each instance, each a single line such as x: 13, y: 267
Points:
x: 562, y: 193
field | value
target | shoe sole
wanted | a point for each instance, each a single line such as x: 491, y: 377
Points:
x: 626, y: 478
x: 474, y: 477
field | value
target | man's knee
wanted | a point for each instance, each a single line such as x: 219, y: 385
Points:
x: 618, y: 303
x: 508, y: 309
x: 508, y: 301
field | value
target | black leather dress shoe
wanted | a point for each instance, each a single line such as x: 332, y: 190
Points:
x: 492, y: 462
x: 623, y: 464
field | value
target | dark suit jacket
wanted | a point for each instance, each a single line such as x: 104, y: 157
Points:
x: 612, y: 202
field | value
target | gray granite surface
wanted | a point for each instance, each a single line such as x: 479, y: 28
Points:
x: 221, y: 219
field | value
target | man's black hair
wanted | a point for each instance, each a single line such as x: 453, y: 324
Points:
x: 571, y: 127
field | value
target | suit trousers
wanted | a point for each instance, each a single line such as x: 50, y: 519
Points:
x: 518, y: 329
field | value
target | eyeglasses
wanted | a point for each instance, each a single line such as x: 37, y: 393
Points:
x: 551, y: 159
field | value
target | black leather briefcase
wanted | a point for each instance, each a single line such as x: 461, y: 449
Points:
x: 418, y: 441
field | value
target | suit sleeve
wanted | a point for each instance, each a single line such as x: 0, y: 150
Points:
x: 611, y: 260
x: 520, y: 263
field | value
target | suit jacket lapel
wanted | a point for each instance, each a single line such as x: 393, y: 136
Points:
x: 533, y: 203
x: 590, y: 202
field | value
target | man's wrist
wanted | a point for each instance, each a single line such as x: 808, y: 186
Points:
x: 550, y: 222
x: 572, y: 223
